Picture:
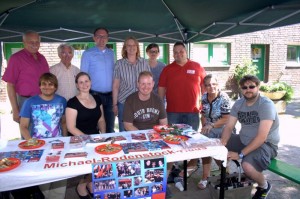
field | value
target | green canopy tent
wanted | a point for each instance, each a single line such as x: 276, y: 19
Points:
x: 162, y: 21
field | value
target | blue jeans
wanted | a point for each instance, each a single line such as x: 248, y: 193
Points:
x: 192, y: 119
x: 108, y: 111
x: 120, y: 116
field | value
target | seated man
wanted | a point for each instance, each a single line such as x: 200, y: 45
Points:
x: 144, y: 109
x: 43, y: 116
x: 257, y: 142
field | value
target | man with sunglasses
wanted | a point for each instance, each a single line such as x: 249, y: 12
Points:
x: 257, y: 142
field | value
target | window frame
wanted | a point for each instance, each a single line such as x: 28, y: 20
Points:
x: 296, y: 62
x: 210, y: 49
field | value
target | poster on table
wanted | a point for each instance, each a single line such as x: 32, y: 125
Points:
x: 144, y: 178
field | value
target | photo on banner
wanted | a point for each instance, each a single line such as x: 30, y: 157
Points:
x: 143, y: 178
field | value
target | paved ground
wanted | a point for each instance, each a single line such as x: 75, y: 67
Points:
x: 289, y: 151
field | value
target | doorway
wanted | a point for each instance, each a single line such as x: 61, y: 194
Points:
x: 258, y: 57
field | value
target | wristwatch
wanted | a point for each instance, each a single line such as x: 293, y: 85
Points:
x: 241, y: 155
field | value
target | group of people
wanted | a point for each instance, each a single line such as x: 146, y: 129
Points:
x: 65, y: 100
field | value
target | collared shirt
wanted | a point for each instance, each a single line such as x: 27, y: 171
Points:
x: 23, y: 71
x: 100, y: 66
x: 128, y: 75
x: 66, y: 79
x: 183, y: 86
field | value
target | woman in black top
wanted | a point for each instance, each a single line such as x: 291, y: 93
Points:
x: 84, y: 111
x: 84, y: 116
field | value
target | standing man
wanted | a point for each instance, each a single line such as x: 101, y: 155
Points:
x: 65, y: 72
x: 258, y: 139
x: 144, y: 109
x: 23, y: 72
x: 98, y: 62
x: 182, y: 82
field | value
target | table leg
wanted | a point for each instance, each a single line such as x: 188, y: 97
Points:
x: 222, y: 183
x: 185, y: 175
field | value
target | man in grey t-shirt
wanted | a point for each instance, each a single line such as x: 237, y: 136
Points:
x: 258, y: 139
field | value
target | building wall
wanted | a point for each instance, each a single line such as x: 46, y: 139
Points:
x: 277, y: 39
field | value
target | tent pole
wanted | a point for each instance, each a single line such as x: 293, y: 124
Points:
x: 178, y: 24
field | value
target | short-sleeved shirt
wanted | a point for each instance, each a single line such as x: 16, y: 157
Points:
x: 45, y: 116
x: 66, y: 79
x: 99, y: 64
x: 219, y: 106
x: 183, y: 86
x: 250, y: 117
x: 87, y: 119
x: 23, y: 71
x: 144, y: 114
x: 156, y: 71
x: 128, y: 75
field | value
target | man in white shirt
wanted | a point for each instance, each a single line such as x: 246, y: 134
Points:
x: 65, y: 72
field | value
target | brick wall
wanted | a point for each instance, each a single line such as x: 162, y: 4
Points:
x: 278, y: 39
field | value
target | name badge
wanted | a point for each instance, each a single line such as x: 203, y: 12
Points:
x: 190, y: 72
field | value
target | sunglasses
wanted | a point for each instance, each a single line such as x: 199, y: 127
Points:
x: 248, y: 87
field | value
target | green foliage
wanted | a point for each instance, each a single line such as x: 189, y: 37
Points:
x: 246, y: 68
x: 279, y: 86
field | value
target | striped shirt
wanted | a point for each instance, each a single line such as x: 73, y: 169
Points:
x: 128, y: 75
x: 66, y: 79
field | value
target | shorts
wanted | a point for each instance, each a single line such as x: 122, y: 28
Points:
x: 259, y: 158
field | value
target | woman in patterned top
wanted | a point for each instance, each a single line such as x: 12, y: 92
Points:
x: 214, y: 114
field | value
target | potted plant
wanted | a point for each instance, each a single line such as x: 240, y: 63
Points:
x: 245, y: 68
x: 277, y: 91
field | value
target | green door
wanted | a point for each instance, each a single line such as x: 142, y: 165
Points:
x: 258, y: 53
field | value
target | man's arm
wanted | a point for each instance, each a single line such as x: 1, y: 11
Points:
x: 115, y: 90
x: 11, y: 91
x: 227, y: 130
x: 64, y: 126
x: 163, y: 121
x: 129, y: 126
x: 161, y: 92
x: 261, y: 137
x: 24, y: 128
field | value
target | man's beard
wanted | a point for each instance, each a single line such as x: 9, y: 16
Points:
x: 254, y: 95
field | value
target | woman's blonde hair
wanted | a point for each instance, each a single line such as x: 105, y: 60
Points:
x: 124, y: 52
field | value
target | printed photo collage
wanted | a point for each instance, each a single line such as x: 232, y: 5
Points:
x: 130, y: 179
x: 24, y: 156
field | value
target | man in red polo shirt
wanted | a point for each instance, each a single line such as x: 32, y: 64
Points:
x: 23, y: 72
x: 182, y: 82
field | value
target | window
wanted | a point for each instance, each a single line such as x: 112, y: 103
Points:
x: 211, y: 54
x: 293, y: 56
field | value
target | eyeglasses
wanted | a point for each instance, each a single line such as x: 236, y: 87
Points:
x: 210, y: 85
x: 248, y: 87
x: 101, y: 36
x: 131, y: 46
x: 153, y: 51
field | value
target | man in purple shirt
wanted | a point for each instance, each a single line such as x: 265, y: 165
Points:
x: 23, y: 72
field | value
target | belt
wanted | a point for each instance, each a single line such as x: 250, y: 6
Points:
x: 99, y: 93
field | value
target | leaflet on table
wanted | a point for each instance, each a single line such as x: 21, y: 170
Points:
x: 130, y: 179
x: 200, y: 140
x: 144, y: 146
x: 24, y: 156
x: 83, y: 140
